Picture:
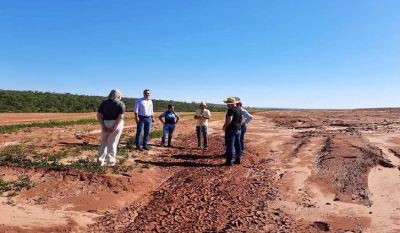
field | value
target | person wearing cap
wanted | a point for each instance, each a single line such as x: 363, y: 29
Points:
x: 247, y: 117
x: 232, y: 129
x: 171, y: 118
x: 202, y: 116
x: 144, y: 116
x: 110, y: 115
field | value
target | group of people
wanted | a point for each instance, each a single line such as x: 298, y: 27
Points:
x: 111, y: 112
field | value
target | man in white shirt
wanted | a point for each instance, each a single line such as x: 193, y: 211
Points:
x: 202, y: 116
x: 144, y: 116
x: 247, y: 117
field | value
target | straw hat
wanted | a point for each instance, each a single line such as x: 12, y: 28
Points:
x: 203, y: 103
x: 231, y: 100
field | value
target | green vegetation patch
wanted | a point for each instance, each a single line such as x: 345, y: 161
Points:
x: 87, y: 165
x: 156, y: 134
x: 18, y: 155
x: 47, y: 124
x: 16, y: 186
x: 130, y: 141
x: 85, y: 146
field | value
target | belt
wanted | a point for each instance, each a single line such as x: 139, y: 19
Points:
x: 144, y: 116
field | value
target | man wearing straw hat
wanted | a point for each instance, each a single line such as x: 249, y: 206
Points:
x: 232, y: 129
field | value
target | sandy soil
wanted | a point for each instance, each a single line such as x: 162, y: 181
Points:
x: 303, y: 171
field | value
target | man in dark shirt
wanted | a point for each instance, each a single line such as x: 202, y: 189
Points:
x: 232, y: 129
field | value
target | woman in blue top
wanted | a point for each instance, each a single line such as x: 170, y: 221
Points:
x: 171, y: 119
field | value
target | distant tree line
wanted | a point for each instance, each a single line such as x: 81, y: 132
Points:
x: 36, y: 101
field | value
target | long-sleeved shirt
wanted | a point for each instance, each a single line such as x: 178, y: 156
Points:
x: 143, y: 107
x: 247, y: 116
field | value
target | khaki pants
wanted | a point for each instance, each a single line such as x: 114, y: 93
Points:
x: 109, y: 143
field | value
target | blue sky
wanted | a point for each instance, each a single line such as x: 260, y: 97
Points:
x: 271, y: 53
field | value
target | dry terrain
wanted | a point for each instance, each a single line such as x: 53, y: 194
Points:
x: 302, y: 171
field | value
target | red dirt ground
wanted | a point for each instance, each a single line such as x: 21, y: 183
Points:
x: 303, y: 171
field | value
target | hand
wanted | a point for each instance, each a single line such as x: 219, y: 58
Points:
x: 152, y: 120
x: 223, y: 128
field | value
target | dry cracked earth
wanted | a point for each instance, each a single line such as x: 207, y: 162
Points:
x: 302, y: 171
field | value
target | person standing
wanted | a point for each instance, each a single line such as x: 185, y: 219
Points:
x: 144, y: 116
x: 247, y: 117
x: 232, y: 129
x: 171, y: 118
x: 202, y: 116
x: 110, y: 115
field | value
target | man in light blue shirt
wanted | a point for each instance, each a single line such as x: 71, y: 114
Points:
x: 247, y: 117
x: 144, y: 116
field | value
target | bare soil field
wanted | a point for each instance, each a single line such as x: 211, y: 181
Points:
x: 302, y: 171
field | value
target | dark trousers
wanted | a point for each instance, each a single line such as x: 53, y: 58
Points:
x: 244, y: 129
x: 202, y: 130
x: 232, y: 143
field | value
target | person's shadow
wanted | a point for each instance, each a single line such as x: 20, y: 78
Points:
x: 182, y: 163
x: 196, y: 157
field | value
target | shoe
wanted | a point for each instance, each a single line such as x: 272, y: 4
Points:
x: 139, y: 149
x: 199, y: 147
x: 111, y: 165
x: 237, y: 162
x: 169, y: 146
x: 206, y: 148
x: 146, y: 148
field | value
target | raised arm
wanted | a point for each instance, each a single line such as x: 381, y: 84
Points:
x: 160, y: 118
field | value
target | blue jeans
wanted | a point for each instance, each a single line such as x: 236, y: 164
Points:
x: 244, y: 129
x: 202, y: 130
x: 232, y: 143
x: 168, y: 129
x: 146, y: 124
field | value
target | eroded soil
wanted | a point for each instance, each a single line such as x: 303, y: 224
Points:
x: 302, y: 171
